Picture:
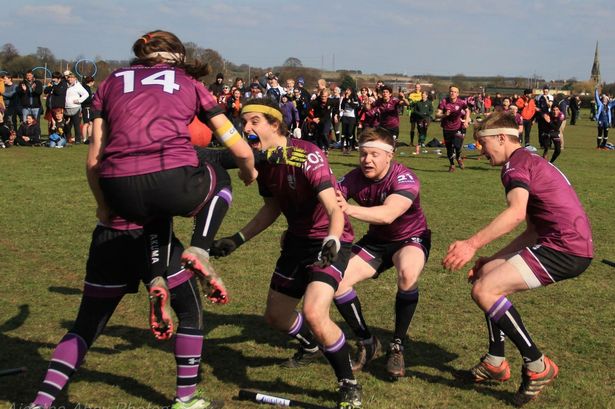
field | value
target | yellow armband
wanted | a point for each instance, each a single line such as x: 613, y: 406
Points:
x: 227, y: 134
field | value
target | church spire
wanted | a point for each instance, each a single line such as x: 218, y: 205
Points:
x: 595, y: 75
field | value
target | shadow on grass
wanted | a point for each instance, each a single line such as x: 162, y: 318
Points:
x: 21, y: 389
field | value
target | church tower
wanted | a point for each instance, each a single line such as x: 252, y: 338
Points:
x: 595, y: 75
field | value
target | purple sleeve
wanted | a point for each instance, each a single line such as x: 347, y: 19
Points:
x: 516, y: 174
x: 208, y: 104
x: 407, y: 185
x: 442, y: 105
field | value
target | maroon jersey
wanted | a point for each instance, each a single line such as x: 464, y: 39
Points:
x: 388, y: 115
x: 147, y: 111
x: 553, y: 206
x: 367, y: 193
x: 457, y: 109
x: 296, y: 191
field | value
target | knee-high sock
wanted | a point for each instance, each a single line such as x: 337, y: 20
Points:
x: 65, y: 360
x: 504, y: 314
x: 349, y: 307
x: 405, y: 307
x: 496, y: 338
x: 338, y: 356
x: 301, y: 332
x: 188, y: 347
x: 208, y: 220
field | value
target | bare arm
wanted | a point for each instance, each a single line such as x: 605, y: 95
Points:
x: 336, y: 216
x: 394, y: 206
x: 460, y: 252
x: 95, y: 149
x: 264, y: 218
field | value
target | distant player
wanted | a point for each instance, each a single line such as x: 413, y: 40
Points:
x: 315, y: 248
x: 387, y: 196
x: 142, y: 166
x: 556, y: 245
x: 454, y: 116
x: 414, y: 97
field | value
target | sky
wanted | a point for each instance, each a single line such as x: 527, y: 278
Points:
x: 552, y: 39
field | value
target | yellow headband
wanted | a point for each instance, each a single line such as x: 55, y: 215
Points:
x: 263, y: 109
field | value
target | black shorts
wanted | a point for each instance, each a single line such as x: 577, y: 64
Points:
x: 118, y: 261
x: 174, y: 192
x: 541, y: 266
x: 294, y: 269
x: 414, y: 118
x: 86, y: 114
x: 379, y: 254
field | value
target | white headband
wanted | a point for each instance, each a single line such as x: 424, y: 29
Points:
x: 377, y: 144
x: 498, y: 131
x: 166, y: 56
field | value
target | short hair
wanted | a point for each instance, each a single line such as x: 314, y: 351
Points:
x: 498, y: 120
x: 450, y: 88
x: 377, y: 134
x: 387, y: 88
x: 57, y: 75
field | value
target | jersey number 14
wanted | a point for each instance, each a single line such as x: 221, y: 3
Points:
x: 165, y: 78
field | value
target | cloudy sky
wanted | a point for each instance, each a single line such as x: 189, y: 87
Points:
x: 552, y: 39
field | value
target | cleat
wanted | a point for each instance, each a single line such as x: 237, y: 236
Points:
x: 532, y: 383
x: 349, y: 396
x: 160, y: 319
x: 302, y: 358
x: 396, y: 367
x: 485, y: 372
x: 366, y: 352
x: 197, y: 260
x: 451, y: 168
x: 197, y: 402
x: 460, y: 162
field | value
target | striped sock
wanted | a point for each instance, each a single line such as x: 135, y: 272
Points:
x: 338, y: 355
x: 496, y: 338
x: 301, y: 332
x: 504, y: 314
x: 349, y: 307
x: 65, y: 360
x: 188, y: 347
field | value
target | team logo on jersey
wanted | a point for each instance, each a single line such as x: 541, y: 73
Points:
x: 292, y: 183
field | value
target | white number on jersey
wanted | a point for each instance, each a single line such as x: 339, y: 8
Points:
x: 165, y: 78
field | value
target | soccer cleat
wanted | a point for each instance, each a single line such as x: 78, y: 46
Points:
x: 460, y: 162
x: 532, y: 383
x: 396, y: 367
x: 367, y: 350
x: 160, y: 320
x: 197, y: 260
x: 451, y: 168
x: 302, y: 358
x: 349, y: 396
x: 197, y: 402
x: 485, y: 372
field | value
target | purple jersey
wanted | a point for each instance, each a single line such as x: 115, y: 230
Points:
x: 457, y: 110
x: 296, y: 191
x: 553, y: 206
x: 367, y: 193
x: 147, y: 111
x: 388, y: 113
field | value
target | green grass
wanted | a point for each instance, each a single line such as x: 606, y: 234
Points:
x: 45, y: 225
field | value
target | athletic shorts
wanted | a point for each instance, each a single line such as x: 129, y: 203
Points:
x: 175, y: 192
x: 86, y: 114
x: 541, y: 266
x: 294, y: 269
x: 379, y: 254
x: 414, y: 118
x: 118, y: 262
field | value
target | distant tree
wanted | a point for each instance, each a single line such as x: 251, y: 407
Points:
x: 346, y: 81
x: 292, y: 62
x: 45, y: 55
x: 8, y: 52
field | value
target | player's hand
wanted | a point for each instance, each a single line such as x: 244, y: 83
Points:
x: 478, y: 264
x: 458, y: 255
x: 341, y: 201
x: 226, y: 245
x: 288, y: 155
x: 104, y: 215
x: 328, y: 252
x: 248, y: 176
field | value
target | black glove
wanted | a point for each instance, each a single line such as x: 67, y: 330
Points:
x: 328, y: 252
x: 226, y: 245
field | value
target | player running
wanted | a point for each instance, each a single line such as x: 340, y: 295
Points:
x: 556, y: 245
x: 387, y: 196
x: 142, y: 167
x: 315, y: 249
x: 454, y: 116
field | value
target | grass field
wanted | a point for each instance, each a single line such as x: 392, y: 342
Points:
x: 45, y: 225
